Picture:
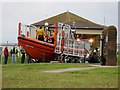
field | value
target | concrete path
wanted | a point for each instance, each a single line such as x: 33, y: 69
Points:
x: 68, y: 69
x: 75, y: 69
x: 103, y: 66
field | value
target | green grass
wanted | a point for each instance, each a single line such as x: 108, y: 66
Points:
x: 18, y: 60
x: 98, y: 78
x: 31, y: 76
x: 118, y: 58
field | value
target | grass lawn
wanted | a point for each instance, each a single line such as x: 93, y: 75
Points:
x: 32, y: 76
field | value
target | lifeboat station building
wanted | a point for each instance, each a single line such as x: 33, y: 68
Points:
x: 100, y: 36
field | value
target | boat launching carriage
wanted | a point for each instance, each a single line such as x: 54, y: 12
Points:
x: 65, y: 47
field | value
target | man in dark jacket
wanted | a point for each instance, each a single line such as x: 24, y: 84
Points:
x: 23, y: 56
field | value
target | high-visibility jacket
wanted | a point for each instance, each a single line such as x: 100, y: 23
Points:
x: 14, y: 51
x: 40, y: 32
x: 53, y: 34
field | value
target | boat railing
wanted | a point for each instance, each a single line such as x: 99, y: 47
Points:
x: 72, y: 48
x: 27, y: 30
x: 66, y: 43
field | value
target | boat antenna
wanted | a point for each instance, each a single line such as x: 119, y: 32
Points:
x: 104, y: 20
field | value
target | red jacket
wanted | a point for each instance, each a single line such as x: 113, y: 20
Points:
x: 6, y: 52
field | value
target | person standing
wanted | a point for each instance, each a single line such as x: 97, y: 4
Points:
x: 23, y: 56
x: 40, y: 34
x: 14, y: 52
x: 53, y: 35
x: 6, y: 54
x: 28, y: 58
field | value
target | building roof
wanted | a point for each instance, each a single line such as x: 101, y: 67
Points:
x: 69, y: 18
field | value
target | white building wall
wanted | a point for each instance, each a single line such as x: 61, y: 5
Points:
x: 9, y: 46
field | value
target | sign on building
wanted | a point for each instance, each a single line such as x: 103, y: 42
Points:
x: 1, y: 50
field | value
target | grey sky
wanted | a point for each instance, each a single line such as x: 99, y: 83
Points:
x: 29, y: 13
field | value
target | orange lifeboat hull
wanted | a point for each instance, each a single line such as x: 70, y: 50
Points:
x: 37, y: 49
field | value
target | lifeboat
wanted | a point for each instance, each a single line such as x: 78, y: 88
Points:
x: 64, y: 45
x: 37, y: 49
